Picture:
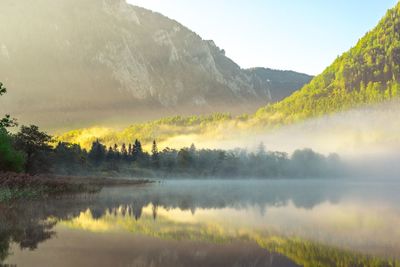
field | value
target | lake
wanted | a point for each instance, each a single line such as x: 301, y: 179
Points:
x: 209, y: 223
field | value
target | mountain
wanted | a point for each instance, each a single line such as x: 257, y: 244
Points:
x: 368, y: 73
x: 81, y: 62
x: 280, y: 83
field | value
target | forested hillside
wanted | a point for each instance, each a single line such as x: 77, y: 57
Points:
x: 368, y: 73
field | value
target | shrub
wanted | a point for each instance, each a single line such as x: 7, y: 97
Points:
x: 10, y: 159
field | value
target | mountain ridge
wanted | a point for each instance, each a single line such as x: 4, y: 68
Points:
x: 106, y: 62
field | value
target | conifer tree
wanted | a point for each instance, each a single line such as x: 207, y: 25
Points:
x: 155, y: 157
x: 124, y: 152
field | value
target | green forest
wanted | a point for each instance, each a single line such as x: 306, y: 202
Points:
x: 368, y: 73
x: 32, y: 153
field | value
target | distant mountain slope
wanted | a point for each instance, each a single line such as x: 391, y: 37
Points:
x: 368, y: 73
x: 78, y: 62
x: 280, y: 83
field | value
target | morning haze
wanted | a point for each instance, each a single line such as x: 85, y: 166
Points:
x: 164, y: 134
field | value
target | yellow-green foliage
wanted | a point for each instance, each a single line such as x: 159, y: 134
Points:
x: 146, y: 132
x: 366, y: 74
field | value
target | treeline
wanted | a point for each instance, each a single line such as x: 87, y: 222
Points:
x: 146, y: 131
x: 131, y: 159
x: 34, y: 153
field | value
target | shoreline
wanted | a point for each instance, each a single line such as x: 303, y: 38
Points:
x: 14, y: 186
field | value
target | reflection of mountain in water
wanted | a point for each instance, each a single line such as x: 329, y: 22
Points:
x: 31, y: 223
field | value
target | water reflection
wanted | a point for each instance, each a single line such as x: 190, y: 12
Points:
x: 210, y: 223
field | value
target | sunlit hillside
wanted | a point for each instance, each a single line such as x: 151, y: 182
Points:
x: 368, y: 73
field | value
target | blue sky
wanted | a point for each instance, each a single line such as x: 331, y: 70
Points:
x: 301, y: 35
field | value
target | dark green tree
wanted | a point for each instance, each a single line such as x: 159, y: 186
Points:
x: 10, y: 159
x: 110, y: 154
x: 130, y: 150
x: 137, y: 151
x: 68, y: 159
x: 97, y: 153
x: 35, y: 144
x: 184, y: 159
x: 155, y: 155
x: 124, y: 152
x: 117, y: 154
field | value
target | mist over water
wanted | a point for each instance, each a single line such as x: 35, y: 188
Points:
x: 366, y: 139
x: 172, y: 223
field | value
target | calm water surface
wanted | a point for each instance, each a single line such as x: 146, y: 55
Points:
x: 210, y: 223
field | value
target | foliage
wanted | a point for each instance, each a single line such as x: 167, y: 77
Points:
x: 14, y: 186
x: 7, y: 121
x: 68, y: 159
x: 160, y: 129
x: 71, y: 159
x: 368, y: 73
x: 10, y: 159
x: 97, y: 153
x: 34, y: 144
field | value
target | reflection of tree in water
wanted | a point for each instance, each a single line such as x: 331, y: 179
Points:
x: 222, y: 196
x: 27, y: 223
x: 27, y: 232
x: 4, y: 245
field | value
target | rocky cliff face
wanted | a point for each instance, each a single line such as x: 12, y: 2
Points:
x: 91, y: 61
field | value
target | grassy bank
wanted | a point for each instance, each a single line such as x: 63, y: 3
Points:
x: 23, y: 186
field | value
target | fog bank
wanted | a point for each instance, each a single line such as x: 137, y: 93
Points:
x: 367, y: 138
